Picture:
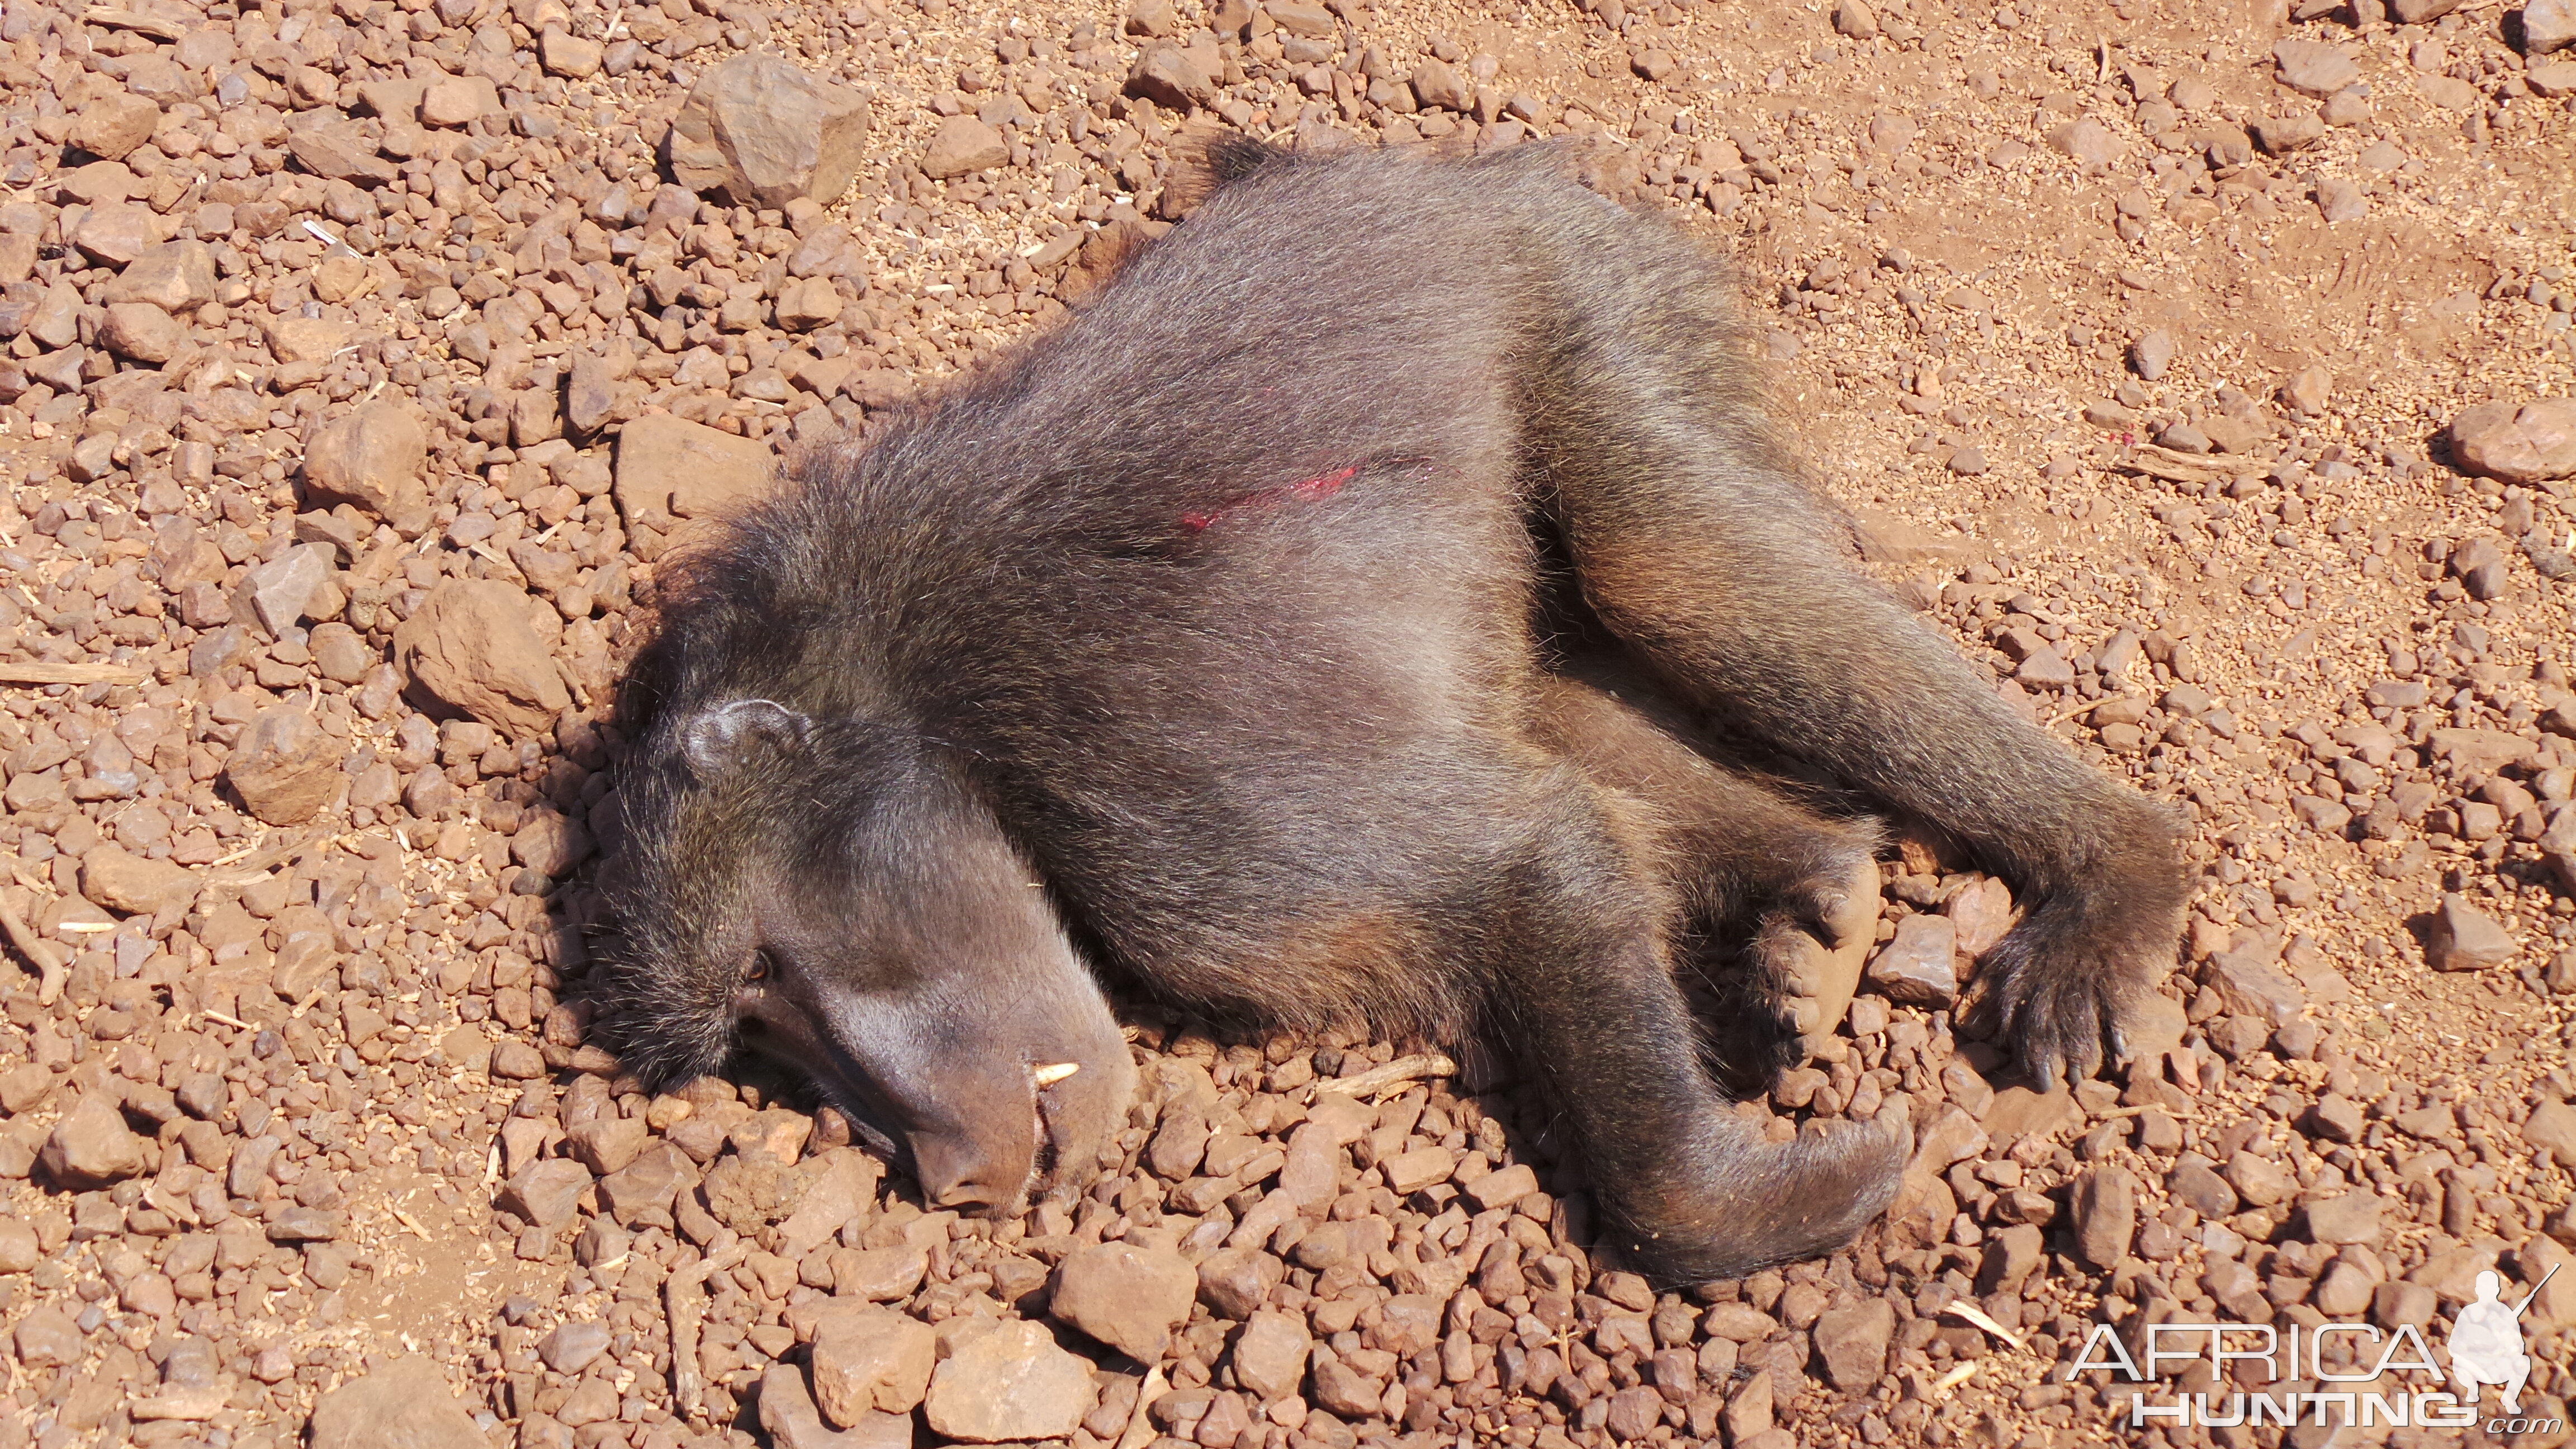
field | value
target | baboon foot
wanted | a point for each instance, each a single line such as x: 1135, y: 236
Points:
x: 1813, y: 941
x: 1753, y: 1203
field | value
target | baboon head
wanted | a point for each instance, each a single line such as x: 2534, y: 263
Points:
x: 831, y: 893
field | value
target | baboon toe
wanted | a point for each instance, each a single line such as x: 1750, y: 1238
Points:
x: 1815, y: 944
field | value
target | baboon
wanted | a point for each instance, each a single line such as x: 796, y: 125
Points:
x: 1246, y: 637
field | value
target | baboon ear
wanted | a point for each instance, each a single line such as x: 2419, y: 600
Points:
x: 723, y: 734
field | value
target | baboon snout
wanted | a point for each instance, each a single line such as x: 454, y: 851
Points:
x: 1021, y: 1129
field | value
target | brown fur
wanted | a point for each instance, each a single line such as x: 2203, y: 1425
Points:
x: 1254, y: 638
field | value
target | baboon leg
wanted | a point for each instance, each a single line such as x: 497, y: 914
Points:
x: 1693, y: 543
x: 1584, y: 995
x: 1797, y: 891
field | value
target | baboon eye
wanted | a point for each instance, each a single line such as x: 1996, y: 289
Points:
x: 756, y: 968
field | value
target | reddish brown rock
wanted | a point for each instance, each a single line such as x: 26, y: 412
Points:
x: 405, y: 1404
x: 1010, y: 1382
x: 372, y: 456
x: 114, y: 125
x: 470, y: 646
x: 1128, y: 1297
x: 764, y: 132
x: 962, y: 146
x: 871, y: 1360
x: 2517, y: 442
x: 673, y: 473
x: 285, y: 767
x: 91, y: 1147
x: 134, y: 885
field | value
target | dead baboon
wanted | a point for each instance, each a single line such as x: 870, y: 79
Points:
x: 1214, y: 640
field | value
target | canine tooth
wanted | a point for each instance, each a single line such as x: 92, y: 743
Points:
x: 1048, y: 1076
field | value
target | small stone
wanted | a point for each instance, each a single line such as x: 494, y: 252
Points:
x: 1920, y: 966
x: 2151, y: 354
x: 2281, y: 135
x: 175, y: 276
x: 458, y: 100
x: 1503, y: 1186
x: 879, y: 1275
x: 2249, y: 983
x: 2548, y: 25
x: 1128, y: 1297
x: 2337, y: 1119
x: 2551, y: 1127
x: 787, y: 1411
x: 292, y: 587
x: 962, y: 146
x: 116, y: 233
x: 764, y: 132
x: 372, y: 456
x: 306, y: 339
x: 808, y: 304
x: 1407, y: 1173
x: 2555, y: 79
x: 1647, y: 65
x: 141, y: 332
x: 115, y: 125
x: 1270, y: 1354
x: 285, y: 767
x: 2089, y: 142
x: 2307, y: 391
x: 1298, y: 17
x: 679, y: 478
x: 91, y: 1147
x: 2196, y: 1185
x: 550, y: 844
x: 2259, y: 1180
x: 47, y: 1337
x: 335, y: 156
x: 1436, y: 86
x: 1010, y: 1382
x: 572, y: 1346
x: 2350, y: 1218
x: 546, y: 1191
x: 1852, y: 1341
x: 1236, y: 1281
x: 571, y: 56
x: 2340, y: 200
x: 2345, y: 1291
x: 1172, y: 77
x: 133, y: 885
x: 470, y: 645
x: 607, y: 1144
x: 307, y: 1225
x: 2529, y: 442
x: 646, y: 1184
x: 19, y: 1250
x: 2106, y: 1215
x: 405, y: 1403
x: 1854, y: 18
x: 869, y: 1359
x: 2314, y: 66
x: 2463, y: 938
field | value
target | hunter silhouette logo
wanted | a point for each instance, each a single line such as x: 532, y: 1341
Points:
x: 2330, y: 1373
x: 2486, y: 1342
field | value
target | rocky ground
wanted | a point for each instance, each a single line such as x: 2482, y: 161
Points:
x: 2192, y: 365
